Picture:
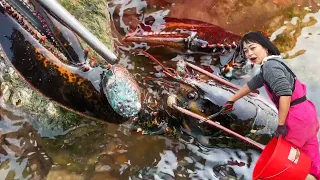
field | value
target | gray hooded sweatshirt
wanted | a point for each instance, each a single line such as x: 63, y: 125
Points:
x: 280, y: 80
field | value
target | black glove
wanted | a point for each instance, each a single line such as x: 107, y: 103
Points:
x: 282, y: 130
x: 227, y: 108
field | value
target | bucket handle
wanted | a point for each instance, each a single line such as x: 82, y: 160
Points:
x: 296, y: 157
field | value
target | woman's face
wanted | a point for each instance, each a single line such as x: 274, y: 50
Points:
x: 254, y: 52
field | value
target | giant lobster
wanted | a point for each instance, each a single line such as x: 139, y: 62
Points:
x: 44, y: 49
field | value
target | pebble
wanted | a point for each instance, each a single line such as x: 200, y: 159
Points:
x: 20, y: 96
x: 102, y: 168
x: 34, y: 167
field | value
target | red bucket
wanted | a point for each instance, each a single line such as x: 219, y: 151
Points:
x: 280, y: 160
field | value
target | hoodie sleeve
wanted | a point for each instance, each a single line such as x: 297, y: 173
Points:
x: 256, y: 82
x: 277, y: 76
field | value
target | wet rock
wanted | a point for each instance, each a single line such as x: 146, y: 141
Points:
x: 111, y: 147
x: 13, y: 90
x: 63, y: 175
x: 51, y: 110
x: 4, y: 93
x: 34, y: 167
x: 20, y: 96
x: 102, y: 168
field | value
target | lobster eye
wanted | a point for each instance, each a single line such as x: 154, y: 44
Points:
x: 192, y: 95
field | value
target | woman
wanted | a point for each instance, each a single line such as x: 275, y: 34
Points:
x: 298, y: 122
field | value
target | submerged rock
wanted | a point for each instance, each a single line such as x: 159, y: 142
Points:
x: 62, y: 174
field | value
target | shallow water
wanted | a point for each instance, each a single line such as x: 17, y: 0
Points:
x: 88, y: 150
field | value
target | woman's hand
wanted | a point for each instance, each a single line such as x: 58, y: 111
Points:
x: 282, y: 130
x: 227, y: 108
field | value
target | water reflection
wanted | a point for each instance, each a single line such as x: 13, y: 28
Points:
x: 109, y: 153
x: 306, y: 65
x: 98, y: 152
x: 22, y: 154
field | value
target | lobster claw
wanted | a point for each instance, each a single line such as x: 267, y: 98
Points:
x: 121, y: 90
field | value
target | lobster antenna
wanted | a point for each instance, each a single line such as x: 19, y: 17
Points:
x: 235, y: 54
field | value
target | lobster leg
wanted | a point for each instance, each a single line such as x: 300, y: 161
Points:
x: 183, y: 42
x: 171, y: 101
x: 60, y: 35
x: 58, y: 11
x: 210, y: 75
x: 184, y: 35
x: 216, y: 78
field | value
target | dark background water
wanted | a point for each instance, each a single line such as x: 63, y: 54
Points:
x: 86, y: 150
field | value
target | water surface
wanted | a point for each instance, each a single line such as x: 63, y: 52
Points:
x: 87, y: 150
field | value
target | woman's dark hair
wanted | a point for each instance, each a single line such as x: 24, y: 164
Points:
x: 256, y: 37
